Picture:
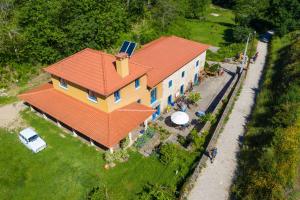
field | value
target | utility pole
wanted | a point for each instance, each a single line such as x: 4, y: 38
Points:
x: 251, y: 49
x: 245, y: 52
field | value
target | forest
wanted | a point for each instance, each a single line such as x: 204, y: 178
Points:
x: 34, y: 33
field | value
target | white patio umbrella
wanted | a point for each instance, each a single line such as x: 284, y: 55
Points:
x: 180, y: 118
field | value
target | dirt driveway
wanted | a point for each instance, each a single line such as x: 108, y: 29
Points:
x: 9, y: 115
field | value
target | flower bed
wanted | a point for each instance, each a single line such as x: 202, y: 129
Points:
x: 141, y: 141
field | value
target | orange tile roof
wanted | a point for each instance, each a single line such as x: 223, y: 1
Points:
x: 166, y: 55
x: 95, y: 70
x: 105, y: 128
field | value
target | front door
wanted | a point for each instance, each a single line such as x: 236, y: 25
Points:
x: 182, y: 89
x: 196, y: 79
x: 157, y: 113
x: 170, y: 100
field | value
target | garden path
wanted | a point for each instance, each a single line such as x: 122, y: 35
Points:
x: 215, y: 180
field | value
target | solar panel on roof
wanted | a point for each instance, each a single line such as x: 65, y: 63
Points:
x: 128, y: 47
x: 131, y: 48
x: 124, y: 46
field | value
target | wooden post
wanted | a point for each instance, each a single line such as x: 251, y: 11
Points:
x: 74, y: 133
x: 130, y: 139
x: 92, y: 143
x: 146, y: 124
x: 58, y: 124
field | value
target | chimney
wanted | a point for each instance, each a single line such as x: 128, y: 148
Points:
x: 122, y: 64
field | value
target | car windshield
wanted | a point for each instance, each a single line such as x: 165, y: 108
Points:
x: 32, y: 138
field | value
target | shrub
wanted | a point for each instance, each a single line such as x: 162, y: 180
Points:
x: 124, y: 143
x: 194, y: 97
x: 98, y: 193
x: 157, y: 192
x: 207, y: 118
x: 117, y: 156
x: 240, y: 33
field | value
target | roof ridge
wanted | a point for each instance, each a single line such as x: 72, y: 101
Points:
x: 35, y: 92
x: 64, y: 59
x: 104, y: 74
x: 152, y: 43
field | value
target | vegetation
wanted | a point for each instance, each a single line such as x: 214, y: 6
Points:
x: 164, y: 133
x: 141, y: 141
x: 282, y: 15
x: 214, y: 68
x: 270, y: 156
x: 157, y: 192
x: 194, y: 97
x: 70, y: 169
x: 208, y: 117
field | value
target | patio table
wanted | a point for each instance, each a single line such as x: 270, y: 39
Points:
x: 180, y: 118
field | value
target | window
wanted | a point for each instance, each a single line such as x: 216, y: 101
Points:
x: 170, y: 100
x: 153, y: 95
x: 182, y: 74
x: 170, y: 83
x: 117, y: 96
x: 197, y: 63
x: 137, y: 83
x: 91, y: 96
x: 182, y: 89
x: 139, y: 101
x: 63, y: 83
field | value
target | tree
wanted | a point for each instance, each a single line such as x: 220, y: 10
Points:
x: 164, y: 13
x: 197, y: 8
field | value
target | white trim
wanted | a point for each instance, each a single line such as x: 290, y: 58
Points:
x: 92, y: 100
x: 63, y: 87
x: 118, y: 100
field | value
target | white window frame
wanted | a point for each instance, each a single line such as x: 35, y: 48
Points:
x: 62, y: 86
x: 89, y: 96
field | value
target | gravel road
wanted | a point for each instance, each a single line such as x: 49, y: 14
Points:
x: 215, y: 180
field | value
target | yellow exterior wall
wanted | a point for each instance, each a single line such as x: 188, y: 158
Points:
x: 130, y: 94
x: 80, y: 93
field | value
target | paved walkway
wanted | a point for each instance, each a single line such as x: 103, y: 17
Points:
x: 215, y: 180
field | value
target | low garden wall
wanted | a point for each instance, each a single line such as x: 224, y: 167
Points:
x: 233, y: 90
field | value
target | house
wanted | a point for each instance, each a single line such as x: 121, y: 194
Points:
x: 104, y: 97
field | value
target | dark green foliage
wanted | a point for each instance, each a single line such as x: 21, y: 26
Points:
x: 197, y: 8
x: 270, y: 155
x: 157, y: 192
x: 98, y: 193
x: 283, y: 15
x: 240, y: 33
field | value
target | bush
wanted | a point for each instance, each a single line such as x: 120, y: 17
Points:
x: 240, y: 33
x: 207, y: 118
x: 117, y: 156
x: 124, y: 143
x: 157, y: 192
x: 198, y: 141
x: 194, y: 97
x: 98, y: 193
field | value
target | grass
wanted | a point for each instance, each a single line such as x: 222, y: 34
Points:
x: 213, y: 29
x: 7, y: 100
x: 69, y: 168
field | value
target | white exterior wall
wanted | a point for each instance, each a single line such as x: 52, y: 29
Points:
x: 190, y: 70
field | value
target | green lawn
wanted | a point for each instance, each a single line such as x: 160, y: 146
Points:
x: 69, y: 168
x: 213, y: 29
